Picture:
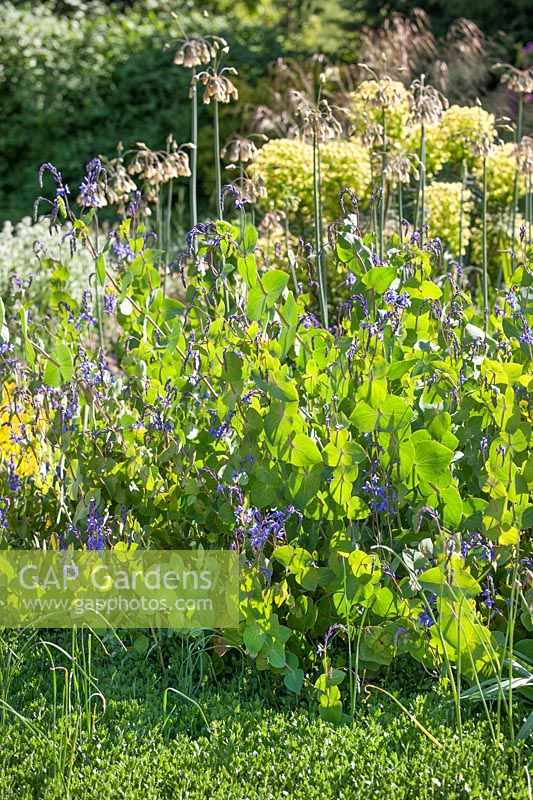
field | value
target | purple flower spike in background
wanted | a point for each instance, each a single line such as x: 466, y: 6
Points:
x: 93, y: 185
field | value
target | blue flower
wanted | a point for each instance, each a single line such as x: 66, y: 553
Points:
x: 109, y: 304
x: 89, y: 189
x: 488, y: 592
x: 399, y: 300
x: 4, y: 506
x: 426, y: 619
x: 260, y: 528
x: 308, y: 321
x: 95, y: 528
x: 13, y: 479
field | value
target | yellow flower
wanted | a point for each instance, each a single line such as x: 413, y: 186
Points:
x: 286, y: 167
x: 443, y: 211
x: 461, y: 127
x: 501, y: 170
x: 20, y: 436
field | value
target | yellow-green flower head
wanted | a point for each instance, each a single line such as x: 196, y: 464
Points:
x: 443, y: 212
x: 344, y: 164
x: 501, y: 169
x: 286, y: 167
x: 460, y: 127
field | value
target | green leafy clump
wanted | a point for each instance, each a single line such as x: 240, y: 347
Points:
x: 286, y: 167
x: 375, y: 478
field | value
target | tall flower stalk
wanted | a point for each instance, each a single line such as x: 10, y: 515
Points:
x: 461, y: 212
x: 220, y: 89
x: 192, y: 54
x: 427, y: 106
x: 521, y: 83
x: 485, y: 263
x: 319, y: 124
x: 482, y: 148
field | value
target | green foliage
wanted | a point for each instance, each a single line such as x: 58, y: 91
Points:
x: 375, y: 479
x: 75, y: 85
x: 256, y: 743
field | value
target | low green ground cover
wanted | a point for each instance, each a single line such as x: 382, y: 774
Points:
x: 258, y: 743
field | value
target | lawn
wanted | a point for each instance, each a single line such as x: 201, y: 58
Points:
x: 259, y: 742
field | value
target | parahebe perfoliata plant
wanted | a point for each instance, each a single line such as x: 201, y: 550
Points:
x: 374, y: 477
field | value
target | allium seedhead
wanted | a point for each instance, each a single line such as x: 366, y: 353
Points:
x: 200, y: 51
x: 517, y: 80
x: 399, y: 169
x: 271, y: 225
x: 427, y: 105
x: 239, y: 150
x: 524, y: 155
x: 218, y: 86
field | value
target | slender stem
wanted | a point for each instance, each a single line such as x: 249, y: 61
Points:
x: 518, y: 136
x: 167, y: 236
x: 422, y: 182
x: 407, y: 713
x: 485, y: 256
x: 194, y: 152
x: 400, y: 209
x: 290, y: 260
x: 383, y: 166
x: 529, y: 213
x: 218, y: 178
x: 461, y: 212
x: 97, y: 291
x: 318, y: 230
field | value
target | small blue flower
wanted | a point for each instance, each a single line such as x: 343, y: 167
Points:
x: 399, y: 300
x: 89, y: 188
x: 4, y: 506
x: 488, y: 592
x: 13, y: 479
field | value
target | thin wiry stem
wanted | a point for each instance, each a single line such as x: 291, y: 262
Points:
x: 518, y: 136
x: 194, y: 152
x: 485, y: 255
x: 218, y: 178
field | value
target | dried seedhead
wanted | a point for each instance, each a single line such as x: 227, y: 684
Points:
x: 254, y: 188
x: 155, y: 168
x: 517, y: 80
x: 239, y: 150
x: 271, y: 225
x: 399, y: 168
x: 426, y: 103
x: 401, y: 45
x: 524, y: 156
x: 198, y: 52
x: 218, y: 86
x: 317, y: 119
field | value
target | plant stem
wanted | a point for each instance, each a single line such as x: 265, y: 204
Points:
x: 194, y: 152
x: 322, y: 291
x: 290, y: 260
x: 485, y: 256
x: 383, y: 165
x: 422, y: 181
x: 461, y: 212
x: 167, y: 236
x: 218, y: 178
x: 400, y: 210
x: 518, y: 136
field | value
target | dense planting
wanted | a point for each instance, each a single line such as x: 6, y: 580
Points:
x: 374, y: 476
x: 331, y: 376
